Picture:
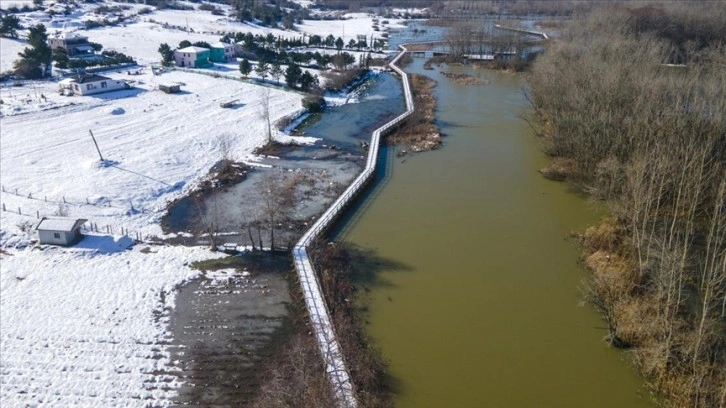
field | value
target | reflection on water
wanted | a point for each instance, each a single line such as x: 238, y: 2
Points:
x: 486, y: 311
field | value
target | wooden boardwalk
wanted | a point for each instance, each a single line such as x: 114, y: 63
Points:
x: 519, y: 30
x: 334, y: 360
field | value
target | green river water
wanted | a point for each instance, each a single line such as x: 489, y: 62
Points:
x: 476, y: 302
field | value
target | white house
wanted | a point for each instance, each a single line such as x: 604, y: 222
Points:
x: 59, y: 231
x: 91, y: 84
x: 192, y: 57
x: 75, y: 44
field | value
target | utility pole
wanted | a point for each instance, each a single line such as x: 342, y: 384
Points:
x: 94, y: 142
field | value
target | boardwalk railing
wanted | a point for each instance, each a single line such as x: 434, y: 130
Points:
x: 334, y: 360
x: 519, y: 30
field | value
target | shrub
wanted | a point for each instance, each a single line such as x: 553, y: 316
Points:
x: 313, y: 103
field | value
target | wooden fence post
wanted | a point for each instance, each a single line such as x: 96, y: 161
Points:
x: 19, y: 213
x: 37, y: 214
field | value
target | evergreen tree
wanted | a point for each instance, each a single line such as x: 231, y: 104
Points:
x: 245, y: 68
x: 292, y: 75
x: 9, y: 26
x: 35, y: 61
x: 262, y: 69
x: 307, y: 81
x: 185, y: 44
x: 339, y: 44
x: 60, y: 57
x: 315, y: 40
x: 167, y: 55
x: 275, y: 71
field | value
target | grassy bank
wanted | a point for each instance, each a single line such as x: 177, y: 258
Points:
x: 419, y: 133
x: 296, y: 376
x: 630, y: 102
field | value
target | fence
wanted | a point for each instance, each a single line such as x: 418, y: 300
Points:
x: 90, y: 227
x: 328, y: 343
x: 98, y: 202
x: 216, y: 74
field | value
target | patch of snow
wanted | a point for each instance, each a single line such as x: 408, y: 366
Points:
x: 87, y: 328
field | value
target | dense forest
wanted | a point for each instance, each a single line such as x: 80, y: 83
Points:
x: 631, y: 103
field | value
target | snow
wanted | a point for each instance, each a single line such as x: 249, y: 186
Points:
x: 157, y: 146
x: 354, y: 24
x: 86, y: 325
x: 79, y: 325
x: 9, y: 49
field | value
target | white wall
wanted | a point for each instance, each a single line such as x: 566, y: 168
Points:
x: 96, y: 87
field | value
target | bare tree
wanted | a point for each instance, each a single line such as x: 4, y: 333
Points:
x: 264, y: 113
x: 277, y: 195
x: 209, y: 220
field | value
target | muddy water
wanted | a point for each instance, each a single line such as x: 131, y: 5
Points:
x: 225, y: 327
x: 475, y: 298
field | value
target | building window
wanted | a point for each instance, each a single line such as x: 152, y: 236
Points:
x: 56, y: 235
x: 103, y: 84
x: 88, y: 87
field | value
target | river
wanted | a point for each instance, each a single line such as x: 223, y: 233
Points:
x: 475, y: 298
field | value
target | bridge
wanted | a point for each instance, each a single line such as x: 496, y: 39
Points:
x: 519, y: 30
x: 333, y: 359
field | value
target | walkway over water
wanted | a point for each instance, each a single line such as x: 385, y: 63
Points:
x: 332, y: 354
x: 519, y: 30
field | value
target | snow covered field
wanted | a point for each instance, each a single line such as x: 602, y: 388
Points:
x: 86, y: 326
x: 158, y: 146
x: 77, y: 325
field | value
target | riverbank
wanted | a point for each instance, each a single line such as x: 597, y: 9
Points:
x: 296, y: 376
x: 466, y: 304
x: 648, y: 141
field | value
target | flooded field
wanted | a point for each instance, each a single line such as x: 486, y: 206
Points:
x: 224, y: 329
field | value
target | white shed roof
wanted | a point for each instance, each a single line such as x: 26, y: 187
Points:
x: 221, y: 45
x: 60, y: 224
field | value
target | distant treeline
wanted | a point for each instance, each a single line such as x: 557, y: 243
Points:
x: 631, y: 101
x: 358, y: 4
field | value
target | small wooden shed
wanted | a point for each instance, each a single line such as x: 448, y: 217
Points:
x: 59, y: 231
